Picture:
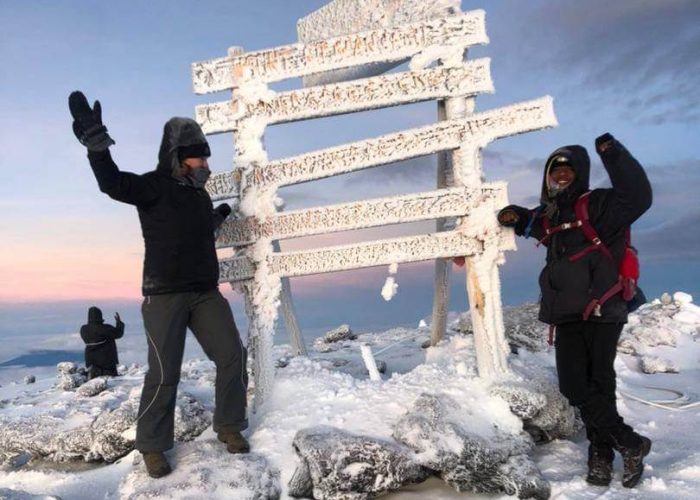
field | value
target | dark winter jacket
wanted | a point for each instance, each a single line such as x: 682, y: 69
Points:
x: 568, y: 287
x: 177, y: 219
x: 100, y: 346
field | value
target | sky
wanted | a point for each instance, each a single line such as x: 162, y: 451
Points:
x: 631, y: 67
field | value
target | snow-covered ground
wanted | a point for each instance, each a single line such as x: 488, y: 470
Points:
x: 332, y: 388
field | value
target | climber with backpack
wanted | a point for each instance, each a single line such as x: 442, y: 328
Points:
x: 588, y: 286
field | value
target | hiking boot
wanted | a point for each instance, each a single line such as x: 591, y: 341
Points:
x: 156, y: 464
x: 235, y: 442
x: 632, y: 457
x: 600, y: 464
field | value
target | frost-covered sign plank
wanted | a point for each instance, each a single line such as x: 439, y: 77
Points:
x: 344, y: 17
x: 348, y: 216
x: 300, y: 59
x: 259, y: 265
x: 480, y: 128
x: 471, y: 78
x: 357, y: 256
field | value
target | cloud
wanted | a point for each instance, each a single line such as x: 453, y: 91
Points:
x: 643, y: 54
x: 674, y: 240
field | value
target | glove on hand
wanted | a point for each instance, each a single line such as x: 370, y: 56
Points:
x: 514, y: 216
x: 605, y: 143
x: 224, y: 210
x: 87, y: 123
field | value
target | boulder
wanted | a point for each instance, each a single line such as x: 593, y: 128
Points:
x: 533, y: 396
x: 92, y: 387
x: 655, y: 364
x: 490, y: 462
x: 328, y: 342
x: 29, y: 379
x: 338, y: 465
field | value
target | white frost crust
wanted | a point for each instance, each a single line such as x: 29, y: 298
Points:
x: 470, y: 78
x: 291, y: 61
x: 370, y: 362
x: 393, y: 268
x: 347, y: 216
x: 390, y: 288
x: 343, y: 17
x: 356, y: 256
x: 475, y: 131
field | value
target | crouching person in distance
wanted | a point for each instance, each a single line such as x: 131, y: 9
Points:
x: 180, y: 278
x: 576, y: 277
x: 100, y: 347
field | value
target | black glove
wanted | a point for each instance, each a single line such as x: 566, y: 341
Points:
x: 87, y: 123
x: 223, y: 210
x: 514, y: 216
x: 605, y: 143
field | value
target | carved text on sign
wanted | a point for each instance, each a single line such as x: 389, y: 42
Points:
x: 480, y: 128
x: 348, y: 216
x: 296, y: 60
x: 471, y: 78
x: 360, y: 255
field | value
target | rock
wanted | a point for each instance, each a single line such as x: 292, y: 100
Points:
x: 492, y: 463
x: 327, y: 341
x: 666, y: 299
x: 340, y: 465
x: 655, y: 364
x: 301, y: 484
x: 107, y: 437
x: 70, y: 381
x: 10, y: 494
x: 92, y: 387
x: 282, y: 362
x: 67, y: 367
x: 535, y: 398
x: 29, y: 379
x: 204, y: 469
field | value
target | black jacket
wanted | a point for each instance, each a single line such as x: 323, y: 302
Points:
x: 100, y: 346
x: 568, y: 287
x: 177, y: 219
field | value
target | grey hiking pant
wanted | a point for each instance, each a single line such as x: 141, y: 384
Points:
x: 166, y: 319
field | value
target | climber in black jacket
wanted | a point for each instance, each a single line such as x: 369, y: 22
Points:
x: 586, y: 345
x: 180, y: 278
x: 100, y: 346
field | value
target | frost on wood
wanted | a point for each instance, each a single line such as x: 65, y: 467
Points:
x: 473, y: 77
x: 347, y: 216
x: 478, y: 129
x: 346, y: 257
x: 337, y: 465
x: 291, y: 61
x: 342, y: 17
x: 436, y: 429
x: 206, y: 470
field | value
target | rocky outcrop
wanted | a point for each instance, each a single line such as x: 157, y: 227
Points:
x: 338, y: 465
x: 467, y: 461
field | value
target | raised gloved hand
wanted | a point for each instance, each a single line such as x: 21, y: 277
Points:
x: 514, y: 216
x: 604, y: 143
x: 223, y: 210
x: 87, y: 123
x: 117, y: 317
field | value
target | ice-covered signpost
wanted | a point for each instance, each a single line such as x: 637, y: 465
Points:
x: 462, y: 195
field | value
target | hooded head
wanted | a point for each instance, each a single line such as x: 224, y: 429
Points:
x: 575, y: 157
x: 182, y: 138
x: 95, y: 315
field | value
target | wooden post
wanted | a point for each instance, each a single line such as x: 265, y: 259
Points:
x: 448, y: 109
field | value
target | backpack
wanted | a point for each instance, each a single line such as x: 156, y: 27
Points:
x: 628, y: 272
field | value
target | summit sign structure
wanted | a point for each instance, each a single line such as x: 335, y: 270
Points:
x: 345, y: 74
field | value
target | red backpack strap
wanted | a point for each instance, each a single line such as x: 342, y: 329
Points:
x: 581, y: 209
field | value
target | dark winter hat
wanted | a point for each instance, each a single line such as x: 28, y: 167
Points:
x: 95, y: 315
x: 193, y: 151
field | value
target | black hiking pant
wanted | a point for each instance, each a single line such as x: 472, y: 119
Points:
x: 585, y: 354
x: 166, y: 319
